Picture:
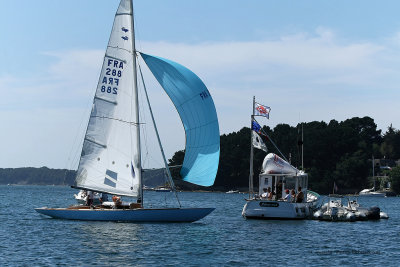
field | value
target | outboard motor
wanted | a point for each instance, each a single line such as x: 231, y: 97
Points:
x: 383, y: 215
x: 350, y: 216
x: 374, y: 213
x: 334, y: 213
x: 318, y: 214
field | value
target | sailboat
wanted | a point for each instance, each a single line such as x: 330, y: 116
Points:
x: 371, y: 192
x: 110, y: 161
x: 280, y: 179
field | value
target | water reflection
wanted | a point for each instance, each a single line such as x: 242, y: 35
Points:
x: 109, y: 241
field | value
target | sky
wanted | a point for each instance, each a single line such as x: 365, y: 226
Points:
x: 308, y: 60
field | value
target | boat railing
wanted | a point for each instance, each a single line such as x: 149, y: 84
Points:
x: 272, y: 200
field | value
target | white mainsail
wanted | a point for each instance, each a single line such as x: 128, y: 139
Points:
x: 110, y: 160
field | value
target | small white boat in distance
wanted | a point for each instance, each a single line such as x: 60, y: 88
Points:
x: 232, y: 191
x: 163, y: 189
x: 371, y: 193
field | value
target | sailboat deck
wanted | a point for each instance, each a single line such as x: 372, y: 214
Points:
x: 129, y: 206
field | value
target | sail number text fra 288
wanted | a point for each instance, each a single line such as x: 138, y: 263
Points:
x: 111, y: 77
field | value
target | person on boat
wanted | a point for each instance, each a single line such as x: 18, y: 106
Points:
x: 279, y: 190
x: 288, y: 197
x: 270, y: 193
x: 103, y: 198
x: 89, y: 198
x: 300, y: 196
x: 265, y: 194
x: 117, y: 201
x: 293, y: 195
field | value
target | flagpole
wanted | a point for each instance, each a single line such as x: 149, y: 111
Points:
x: 302, y: 147
x: 251, y: 193
x: 272, y: 142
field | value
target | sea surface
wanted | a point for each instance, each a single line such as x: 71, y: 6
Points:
x: 224, y: 238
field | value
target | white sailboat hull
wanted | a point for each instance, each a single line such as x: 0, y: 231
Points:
x: 128, y: 215
x: 277, y: 210
x: 372, y: 194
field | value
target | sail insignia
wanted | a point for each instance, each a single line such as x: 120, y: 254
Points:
x: 109, y: 182
x: 197, y: 111
x: 111, y: 178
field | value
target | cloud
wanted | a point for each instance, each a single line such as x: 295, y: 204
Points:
x: 297, y: 51
x: 67, y: 82
x: 302, y: 59
x: 317, y: 75
x: 314, y: 76
x: 75, y: 65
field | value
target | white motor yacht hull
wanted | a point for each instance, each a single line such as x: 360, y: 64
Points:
x: 372, y: 194
x: 128, y: 215
x: 278, y: 210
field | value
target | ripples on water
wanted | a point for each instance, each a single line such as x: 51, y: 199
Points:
x: 222, y: 238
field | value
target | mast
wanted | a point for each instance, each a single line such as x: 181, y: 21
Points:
x: 373, y: 170
x: 251, y: 153
x: 302, y: 147
x: 136, y: 104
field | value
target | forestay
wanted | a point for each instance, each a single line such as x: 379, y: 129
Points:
x: 197, y: 112
x: 109, y: 160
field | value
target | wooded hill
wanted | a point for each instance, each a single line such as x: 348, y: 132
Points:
x: 337, y: 152
x: 37, y: 176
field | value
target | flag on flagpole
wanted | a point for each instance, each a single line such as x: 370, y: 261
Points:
x: 258, y: 142
x: 256, y: 127
x: 261, y: 110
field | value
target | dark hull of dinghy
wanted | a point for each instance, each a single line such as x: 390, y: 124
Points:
x: 135, y: 215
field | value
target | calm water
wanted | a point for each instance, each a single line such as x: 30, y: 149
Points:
x: 222, y: 238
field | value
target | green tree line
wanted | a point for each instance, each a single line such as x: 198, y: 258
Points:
x: 337, y: 152
x: 334, y: 152
x: 37, y: 176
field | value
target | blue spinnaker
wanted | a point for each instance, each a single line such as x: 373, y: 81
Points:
x: 199, y: 117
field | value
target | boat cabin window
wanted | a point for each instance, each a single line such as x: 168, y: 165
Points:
x: 280, y: 183
x: 276, y: 183
x: 290, y: 183
x: 303, y: 181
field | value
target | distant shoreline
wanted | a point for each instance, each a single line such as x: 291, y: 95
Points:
x: 194, y: 191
